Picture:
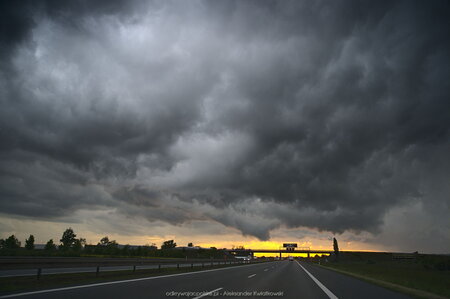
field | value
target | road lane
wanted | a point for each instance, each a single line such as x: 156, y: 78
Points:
x: 156, y: 287
x: 321, y: 285
x: 344, y: 286
x: 208, y: 293
x: 286, y: 278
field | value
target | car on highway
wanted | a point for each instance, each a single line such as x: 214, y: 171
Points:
x: 244, y: 258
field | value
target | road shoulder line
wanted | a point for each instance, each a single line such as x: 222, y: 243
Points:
x: 324, y: 288
x: 388, y: 285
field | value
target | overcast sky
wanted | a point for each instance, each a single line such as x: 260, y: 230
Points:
x: 258, y: 120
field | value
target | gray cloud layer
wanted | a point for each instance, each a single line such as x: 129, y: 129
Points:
x: 254, y: 114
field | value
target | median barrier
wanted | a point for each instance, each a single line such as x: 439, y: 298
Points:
x: 156, y: 266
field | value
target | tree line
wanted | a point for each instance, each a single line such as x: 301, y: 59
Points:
x: 70, y: 245
x: 68, y: 242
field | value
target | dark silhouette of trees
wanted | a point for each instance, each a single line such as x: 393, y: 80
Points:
x: 106, y: 246
x: 107, y: 243
x: 336, y: 248
x: 10, y: 243
x: 103, y: 241
x: 72, y: 246
x: 168, y: 244
x: 29, y: 243
x: 50, y: 246
x: 78, y: 244
x: 69, y: 241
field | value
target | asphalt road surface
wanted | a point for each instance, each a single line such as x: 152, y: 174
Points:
x: 285, y: 279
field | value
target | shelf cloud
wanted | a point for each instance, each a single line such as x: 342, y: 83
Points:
x: 253, y: 114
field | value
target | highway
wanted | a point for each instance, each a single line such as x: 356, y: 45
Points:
x: 284, y: 279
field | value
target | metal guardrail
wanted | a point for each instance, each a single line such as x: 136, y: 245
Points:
x: 133, y: 267
x: 70, y: 262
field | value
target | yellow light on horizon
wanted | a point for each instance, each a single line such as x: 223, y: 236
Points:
x: 286, y: 254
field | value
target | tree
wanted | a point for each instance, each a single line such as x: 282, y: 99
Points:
x: 335, y: 247
x: 168, y: 244
x: 29, y: 243
x: 190, y: 245
x: 50, y: 245
x: 78, y: 244
x: 105, y: 242
x: 68, y: 239
x: 10, y: 243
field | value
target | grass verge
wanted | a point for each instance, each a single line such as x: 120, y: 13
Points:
x: 9, y: 285
x: 418, y: 283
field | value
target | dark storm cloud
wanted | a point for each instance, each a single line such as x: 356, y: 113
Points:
x: 255, y: 114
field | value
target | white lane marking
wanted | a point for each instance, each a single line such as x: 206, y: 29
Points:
x: 206, y: 294
x: 116, y: 282
x: 250, y: 276
x: 324, y: 288
x: 266, y: 269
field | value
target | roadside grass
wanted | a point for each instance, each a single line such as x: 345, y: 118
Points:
x: 10, y: 285
x: 420, y: 274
